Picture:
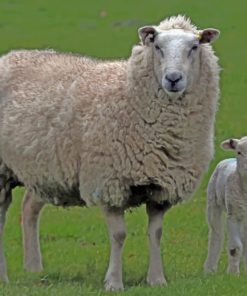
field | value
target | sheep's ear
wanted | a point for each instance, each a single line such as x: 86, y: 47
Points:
x: 147, y: 34
x: 230, y: 144
x: 208, y: 35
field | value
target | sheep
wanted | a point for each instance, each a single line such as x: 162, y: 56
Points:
x: 117, y: 134
x: 227, y: 191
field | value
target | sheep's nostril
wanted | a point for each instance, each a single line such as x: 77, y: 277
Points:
x: 174, y: 77
x: 174, y: 81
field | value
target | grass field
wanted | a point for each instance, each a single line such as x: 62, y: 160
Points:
x: 74, y: 242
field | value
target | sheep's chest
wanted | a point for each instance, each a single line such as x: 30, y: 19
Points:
x: 177, y: 147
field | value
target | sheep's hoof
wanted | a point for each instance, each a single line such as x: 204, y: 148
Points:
x: 156, y: 281
x: 233, y: 270
x: 113, y: 285
x: 33, y: 269
x: 4, y: 278
x: 33, y: 265
x: 208, y: 269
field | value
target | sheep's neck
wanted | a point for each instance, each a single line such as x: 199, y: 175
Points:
x: 146, y: 95
x: 243, y: 180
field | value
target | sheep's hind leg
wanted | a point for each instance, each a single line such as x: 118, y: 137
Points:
x: 117, y: 233
x: 216, y: 236
x: 5, y: 200
x: 235, y: 245
x: 30, y: 228
x: 155, y: 214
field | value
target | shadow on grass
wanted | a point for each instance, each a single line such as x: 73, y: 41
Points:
x: 82, y: 280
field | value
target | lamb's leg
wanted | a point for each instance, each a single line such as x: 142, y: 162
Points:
x: 216, y: 236
x: 155, y: 214
x: 244, y: 241
x: 117, y: 233
x: 235, y: 246
x: 5, y: 200
x: 30, y: 228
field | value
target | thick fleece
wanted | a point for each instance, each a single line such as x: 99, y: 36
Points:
x: 78, y: 130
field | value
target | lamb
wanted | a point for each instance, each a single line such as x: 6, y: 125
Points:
x: 227, y: 191
x: 117, y: 134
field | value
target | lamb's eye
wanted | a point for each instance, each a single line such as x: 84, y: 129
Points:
x: 157, y: 47
x: 239, y: 153
x: 194, y: 48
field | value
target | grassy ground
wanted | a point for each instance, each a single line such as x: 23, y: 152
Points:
x: 74, y: 242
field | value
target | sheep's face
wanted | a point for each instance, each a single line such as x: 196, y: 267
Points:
x: 176, y: 56
x: 240, y: 148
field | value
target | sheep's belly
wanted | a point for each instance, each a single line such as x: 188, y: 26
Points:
x: 59, y: 195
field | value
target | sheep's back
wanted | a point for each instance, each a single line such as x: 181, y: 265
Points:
x: 48, y: 101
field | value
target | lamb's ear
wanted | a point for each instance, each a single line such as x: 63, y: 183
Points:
x: 208, y: 35
x: 230, y: 144
x: 147, y: 34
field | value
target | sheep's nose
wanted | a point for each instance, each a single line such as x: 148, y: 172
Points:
x: 174, y: 77
x: 174, y: 81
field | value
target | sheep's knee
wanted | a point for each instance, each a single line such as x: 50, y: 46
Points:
x: 119, y: 237
x: 235, y: 246
x: 234, y: 259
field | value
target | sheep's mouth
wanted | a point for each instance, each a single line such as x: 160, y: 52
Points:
x: 175, y: 93
x: 174, y: 90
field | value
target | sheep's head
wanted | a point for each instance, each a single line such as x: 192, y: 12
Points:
x: 240, y: 148
x: 176, y: 55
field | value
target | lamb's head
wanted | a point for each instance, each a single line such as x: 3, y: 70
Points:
x: 240, y: 147
x: 176, y: 55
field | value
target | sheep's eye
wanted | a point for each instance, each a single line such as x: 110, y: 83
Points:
x: 157, y: 47
x: 239, y: 153
x: 194, y: 47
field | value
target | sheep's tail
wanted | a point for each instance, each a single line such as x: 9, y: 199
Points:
x: 216, y: 226
x: 8, y: 181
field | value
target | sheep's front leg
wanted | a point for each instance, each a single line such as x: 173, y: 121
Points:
x: 155, y: 214
x: 5, y: 200
x: 30, y: 229
x: 235, y: 246
x: 117, y: 233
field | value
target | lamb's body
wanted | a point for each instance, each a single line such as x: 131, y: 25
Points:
x: 107, y: 122
x: 227, y: 192
x: 78, y: 131
x: 225, y: 189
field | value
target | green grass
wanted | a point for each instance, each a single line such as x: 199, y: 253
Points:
x: 74, y: 242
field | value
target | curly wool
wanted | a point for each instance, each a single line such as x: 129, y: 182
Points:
x: 177, y: 22
x: 73, y: 128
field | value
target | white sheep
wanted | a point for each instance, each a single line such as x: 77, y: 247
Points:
x: 79, y: 131
x: 227, y: 192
